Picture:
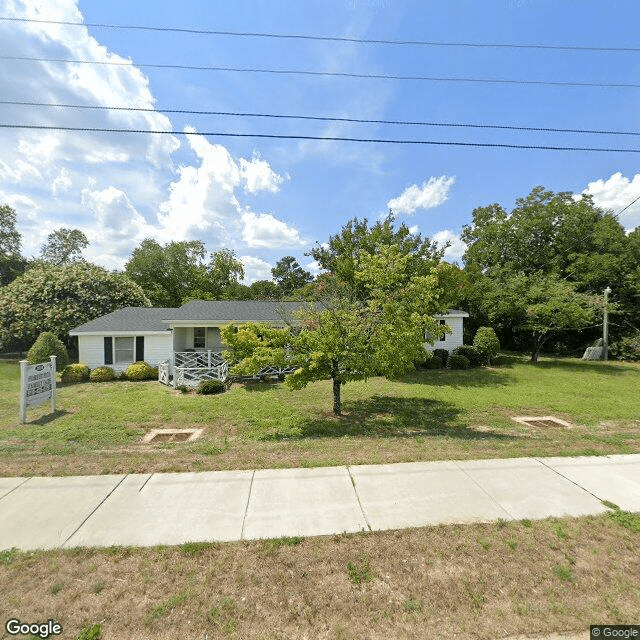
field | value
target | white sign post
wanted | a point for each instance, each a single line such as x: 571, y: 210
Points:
x: 37, y: 385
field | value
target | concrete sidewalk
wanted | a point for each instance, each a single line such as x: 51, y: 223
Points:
x: 172, y: 508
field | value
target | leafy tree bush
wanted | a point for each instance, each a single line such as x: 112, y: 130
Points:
x: 102, y: 374
x: 76, y: 372
x: 210, y: 387
x: 487, y: 343
x: 48, y: 345
x: 434, y: 362
x: 139, y: 371
x: 59, y: 298
x: 627, y: 348
x: 470, y: 353
x: 457, y: 361
x: 443, y: 354
x: 343, y: 337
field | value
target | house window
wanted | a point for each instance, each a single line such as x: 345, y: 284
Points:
x: 199, y: 340
x: 123, y: 350
x: 443, y: 335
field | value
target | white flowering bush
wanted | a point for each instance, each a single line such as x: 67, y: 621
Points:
x: 59, y: 298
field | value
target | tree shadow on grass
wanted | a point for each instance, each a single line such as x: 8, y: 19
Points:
x: 258, y: 386
x: 584, y: 366
x: 478, y: 377
x: 392, y: 417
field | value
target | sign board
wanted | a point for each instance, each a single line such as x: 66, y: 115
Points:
x: 37, y: 385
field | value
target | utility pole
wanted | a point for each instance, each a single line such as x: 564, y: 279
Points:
x: 605, y: 324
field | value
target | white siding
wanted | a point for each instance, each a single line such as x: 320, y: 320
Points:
x: 451, y: 340
x: 157, y: 348
x: 91, y: 350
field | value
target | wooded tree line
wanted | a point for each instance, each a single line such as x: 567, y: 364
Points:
x: 536, y: 274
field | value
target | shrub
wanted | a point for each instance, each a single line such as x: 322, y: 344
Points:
x: 75, y: 373
x: 627, y: 348
x: 487, y: 343
x: 434, y: 362
x: 209, y: 387
x: 470, y: 353
x: 182, y: 388
x: 139, y: 371
x: 443, y: 354
x: 48, y: 345
x: 102, y: 374
x: 457, y: 361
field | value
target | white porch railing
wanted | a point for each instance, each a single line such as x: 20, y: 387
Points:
x: 190, y: 368
x: 198, y: 359
x: 164, y: 370
x: 192, y: 377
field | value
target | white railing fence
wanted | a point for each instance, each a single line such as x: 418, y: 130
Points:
x: 190, y: 368
x: 164, y: 369
x: 198, y: 360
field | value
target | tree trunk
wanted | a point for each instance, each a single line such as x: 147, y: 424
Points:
x: 336, y: 396
x: 538, y: 341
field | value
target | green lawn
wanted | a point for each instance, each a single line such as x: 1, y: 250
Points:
x: 425, y: 416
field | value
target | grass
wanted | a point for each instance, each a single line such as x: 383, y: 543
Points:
x: 427, y: 415
x: 433, y: 582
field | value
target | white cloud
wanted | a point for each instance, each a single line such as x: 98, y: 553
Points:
x: 202, y: 198
x: 255, y: 269
x: 432, y: 193
x: 118, y: 189
x: 263, y: 230
x: 456, y: 248
x: 61, y: 183
x: 120, y: 227
x: 314, y: 267
x: 615, y: 194
x: 259, y: 176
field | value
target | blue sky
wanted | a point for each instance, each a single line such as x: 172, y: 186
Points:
x: 269, y: 198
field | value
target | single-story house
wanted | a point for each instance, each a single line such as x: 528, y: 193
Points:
x: 185, y: 343
x: 453, y: 319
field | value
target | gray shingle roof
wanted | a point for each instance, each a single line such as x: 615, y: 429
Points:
x: 130, y: 319
x: 236, y: 311
x: 139, y: 319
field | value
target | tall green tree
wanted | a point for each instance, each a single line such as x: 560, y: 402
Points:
x: 556, y: 234
x: 64, y: 246
x: 340, y: 256
x: 58, y: 298
x: 178, y: 271
x: 539, y: 305
x: 223, y: 275
x: 290, y: 276
x: 12, y: 264
x: 168, y: 274
x: 376, y: 328
x: 551, y: 233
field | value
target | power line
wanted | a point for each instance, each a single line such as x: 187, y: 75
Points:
x: 320, y: 138
x: 318, y: 118
x: 629, y: 205
x: 302, y: 72
x: 296, y: 36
